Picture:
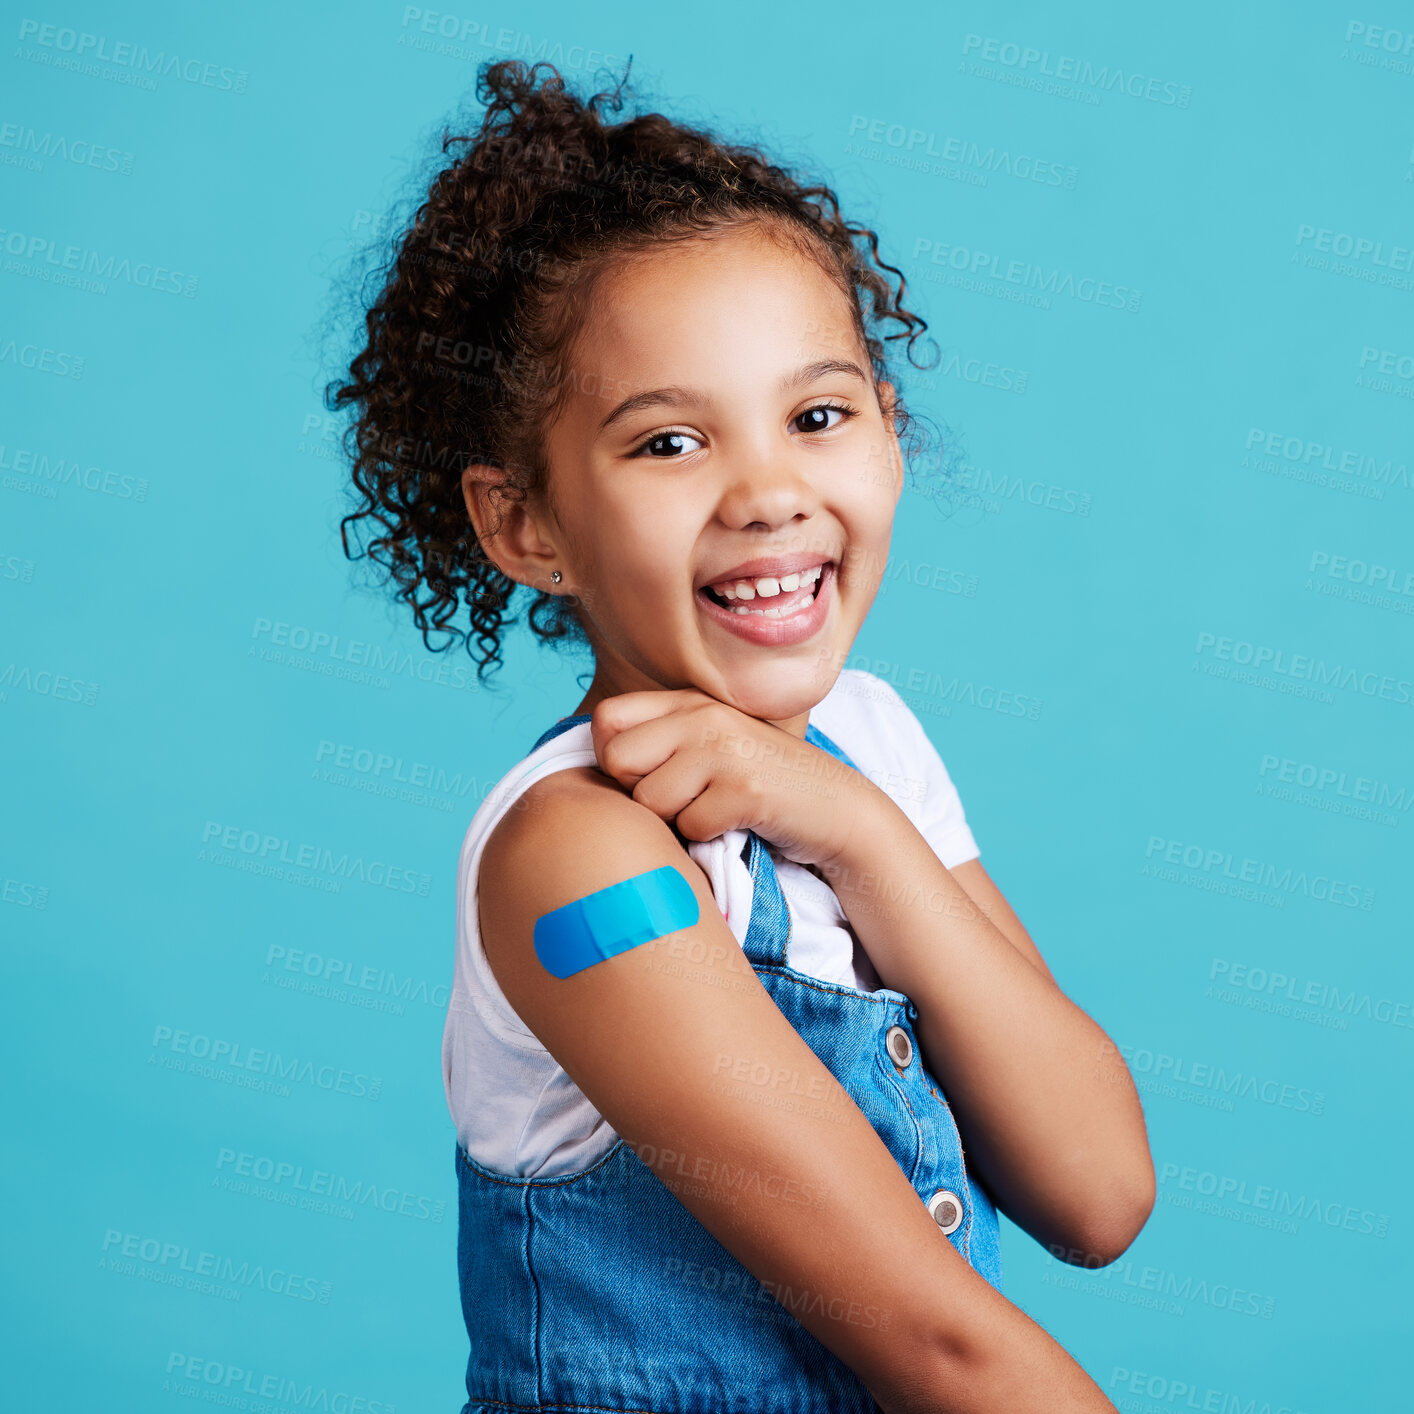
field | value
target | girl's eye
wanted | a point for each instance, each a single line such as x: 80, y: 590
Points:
x: 665, y: 446
x: 658, y: 438
x: 821, y: 409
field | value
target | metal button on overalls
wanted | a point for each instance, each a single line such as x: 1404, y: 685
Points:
x: 946, y: 1209
x: 900, y: 1047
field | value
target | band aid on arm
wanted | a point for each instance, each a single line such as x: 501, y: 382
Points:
x: 613, y: 920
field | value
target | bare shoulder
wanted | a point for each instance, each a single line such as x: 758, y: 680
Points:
x: 571, y: 820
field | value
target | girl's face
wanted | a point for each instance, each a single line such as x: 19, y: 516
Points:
x: 723, y: 430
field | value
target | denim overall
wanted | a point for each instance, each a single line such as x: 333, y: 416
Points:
x: 598, y: 1290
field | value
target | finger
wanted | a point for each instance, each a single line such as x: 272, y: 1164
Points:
x: 673, y: 787
x: 628, y: 709
x: 630, y: 754
x: 614, y: 715
x: 718, y: 809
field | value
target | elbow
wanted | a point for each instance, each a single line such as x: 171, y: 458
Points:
x: 1111, y: 1243
x: 1110, y: 1227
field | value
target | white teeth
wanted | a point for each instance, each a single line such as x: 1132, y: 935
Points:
x: 745, y: 589
x: 767, y: 587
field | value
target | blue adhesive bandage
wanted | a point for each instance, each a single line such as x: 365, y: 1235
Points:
x: 613, y: 920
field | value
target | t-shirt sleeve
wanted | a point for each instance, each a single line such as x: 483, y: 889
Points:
x: 941, y: 818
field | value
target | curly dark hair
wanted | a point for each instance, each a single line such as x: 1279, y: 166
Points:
x: 485, y: 291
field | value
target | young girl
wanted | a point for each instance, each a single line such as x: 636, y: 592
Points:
x: 753, y: 1165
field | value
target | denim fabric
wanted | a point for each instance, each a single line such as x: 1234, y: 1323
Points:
x: 598, y: 1290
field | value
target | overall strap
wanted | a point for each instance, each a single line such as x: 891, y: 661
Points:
x: 767, y: 942
x: 816, y: 737
x: 563, y: 725
x: 768, y: 933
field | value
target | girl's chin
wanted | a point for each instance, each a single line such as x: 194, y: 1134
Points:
x: 774, y: 692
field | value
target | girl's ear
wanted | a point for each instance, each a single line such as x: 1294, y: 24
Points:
x: 478, y: 484
x: 507, y: 528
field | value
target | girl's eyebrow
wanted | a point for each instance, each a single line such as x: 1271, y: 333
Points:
x: 662, y: 397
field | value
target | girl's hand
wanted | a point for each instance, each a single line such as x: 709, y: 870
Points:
x: 708, y: 768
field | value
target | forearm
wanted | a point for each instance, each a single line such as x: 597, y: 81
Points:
x: 990, y: 1357
x: 1053, y: 1122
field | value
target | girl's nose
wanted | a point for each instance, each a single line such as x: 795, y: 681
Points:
x: 767, y: 492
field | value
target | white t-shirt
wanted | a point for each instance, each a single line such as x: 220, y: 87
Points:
x: 515, y: 1109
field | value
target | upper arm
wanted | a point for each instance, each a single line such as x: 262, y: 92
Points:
x: 943, y: 823
x: 868, y: 1238
x: 981, y: 889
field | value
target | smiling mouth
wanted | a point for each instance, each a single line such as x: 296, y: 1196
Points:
x: 785, y: 603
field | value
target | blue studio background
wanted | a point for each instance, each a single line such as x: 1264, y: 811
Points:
x: 1158, y: 627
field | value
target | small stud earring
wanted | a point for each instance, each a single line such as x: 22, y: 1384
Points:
x: 556, y: 576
